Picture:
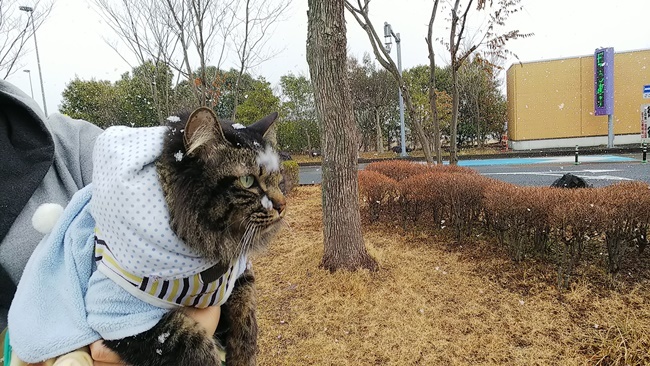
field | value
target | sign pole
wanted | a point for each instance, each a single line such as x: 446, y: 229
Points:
x: 610, y: 131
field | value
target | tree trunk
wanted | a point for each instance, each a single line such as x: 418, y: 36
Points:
x: 380, y: 142
x: 480, y: 138
x: 453, y: 150
x: 326, y: 56
x: 421, y: 135
x: 307, y: 136
x: 433, y: 104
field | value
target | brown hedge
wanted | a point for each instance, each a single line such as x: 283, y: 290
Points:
x: 548, y: 223
x: 397, y: 169
x: 377, y: 193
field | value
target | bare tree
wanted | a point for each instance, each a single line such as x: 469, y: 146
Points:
x: 143, y: 34
x: 498, y: 13
x: 360, y: 13
x: 326, y: 56
x: 16, y: 30
x: 258, y: 17
x: 432, y: 85
x: 162, y: 30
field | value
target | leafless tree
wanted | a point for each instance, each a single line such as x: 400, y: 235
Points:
x: 140, y: 25
x: 360, y: 13
x: 253, y: 34
x: 492, y: 37
x: 16, y: 30
x: 169, y: 30
x: 326, y: 55
x: 432, y: 85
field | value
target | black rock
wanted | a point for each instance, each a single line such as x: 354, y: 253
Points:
x: 284, y: 156
x: 569, y: 180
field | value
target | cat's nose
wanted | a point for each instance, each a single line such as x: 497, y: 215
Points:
x: 279, y: 205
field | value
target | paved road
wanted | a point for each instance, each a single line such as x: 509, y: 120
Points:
x: 599, y: 170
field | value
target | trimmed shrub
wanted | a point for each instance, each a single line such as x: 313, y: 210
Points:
x: 397, y: 169
x: 548, y: 223
x: 377, y: 193
x: 519, y: 217
x: 577, y: 219
x: 455, y: 169
x: 290, y: 176
x: 402, y: 169
x: 627, y: 221
x: 442, y: 197
x: 419, y: 200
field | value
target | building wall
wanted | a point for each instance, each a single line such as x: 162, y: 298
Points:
x: 555, y: 99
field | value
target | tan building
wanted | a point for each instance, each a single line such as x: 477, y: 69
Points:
x: 551, y: 103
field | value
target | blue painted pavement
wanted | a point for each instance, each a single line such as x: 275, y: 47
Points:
x: 547, y: 160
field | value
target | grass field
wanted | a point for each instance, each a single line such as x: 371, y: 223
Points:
x: 437, y: 303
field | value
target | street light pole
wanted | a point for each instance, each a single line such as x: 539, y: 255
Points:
x: 31, y: 88
x: 30, y: 10
x: 388, y: 33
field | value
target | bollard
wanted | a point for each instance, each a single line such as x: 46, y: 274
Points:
x: 576, y: 162
x: 645, y: 150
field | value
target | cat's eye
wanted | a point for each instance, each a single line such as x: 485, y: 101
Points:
x: 247, y: 181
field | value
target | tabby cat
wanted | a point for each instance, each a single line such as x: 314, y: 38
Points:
x: 221, y: 185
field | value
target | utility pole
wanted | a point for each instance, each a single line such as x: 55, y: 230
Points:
x: 30, y: 10
x: 388, y: 33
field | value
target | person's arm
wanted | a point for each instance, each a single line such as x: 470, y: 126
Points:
x: 74, y: 140
x: 208, y: 318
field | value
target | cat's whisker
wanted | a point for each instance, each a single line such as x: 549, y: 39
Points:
x: 251, y: 239
x: 286, y: 224
x: 246, y: 238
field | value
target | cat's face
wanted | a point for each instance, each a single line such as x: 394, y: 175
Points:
x: 222, y: 184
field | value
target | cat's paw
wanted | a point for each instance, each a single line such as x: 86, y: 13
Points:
x: 177, y: 340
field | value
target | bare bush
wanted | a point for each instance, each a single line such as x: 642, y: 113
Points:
x: 398, y: 169
x: 578, y: 219
x: 378, y: 193
x: 627, y: 220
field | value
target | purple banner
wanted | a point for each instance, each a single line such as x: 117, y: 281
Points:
x: 604, y: 81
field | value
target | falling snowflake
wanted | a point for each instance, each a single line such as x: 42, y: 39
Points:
x: 179, y: 155
x: 163, y: 337
x: 173, y: 119
x: 238, y: 126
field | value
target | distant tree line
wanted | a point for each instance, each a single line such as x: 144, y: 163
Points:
x: 482, y: 111
x: 138, y: 100
x: 149, y: 93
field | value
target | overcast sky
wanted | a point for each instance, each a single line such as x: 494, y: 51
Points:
x: 71, y: 42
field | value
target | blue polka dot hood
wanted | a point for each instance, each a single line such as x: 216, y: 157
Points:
x: 129, y: 207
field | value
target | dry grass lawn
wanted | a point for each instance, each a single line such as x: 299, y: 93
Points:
x: 488, y: 150
x: 435, y: 303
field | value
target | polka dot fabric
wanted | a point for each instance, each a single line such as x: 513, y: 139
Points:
x: 129, y: 207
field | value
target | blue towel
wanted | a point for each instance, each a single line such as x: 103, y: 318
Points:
x: 54, y: 310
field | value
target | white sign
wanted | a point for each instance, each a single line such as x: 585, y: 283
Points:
x: 645, y: 120
x: 646, y: 92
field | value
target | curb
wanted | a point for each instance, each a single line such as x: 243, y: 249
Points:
x: 626, y: 149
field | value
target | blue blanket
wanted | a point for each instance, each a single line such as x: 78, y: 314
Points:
x: 62, y: 303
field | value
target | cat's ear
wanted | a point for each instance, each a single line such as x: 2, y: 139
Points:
x: 262, y: 126
x: 202, y: 128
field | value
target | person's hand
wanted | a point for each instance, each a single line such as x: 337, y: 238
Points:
x: 102, y: 356
x: 208, y: 318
